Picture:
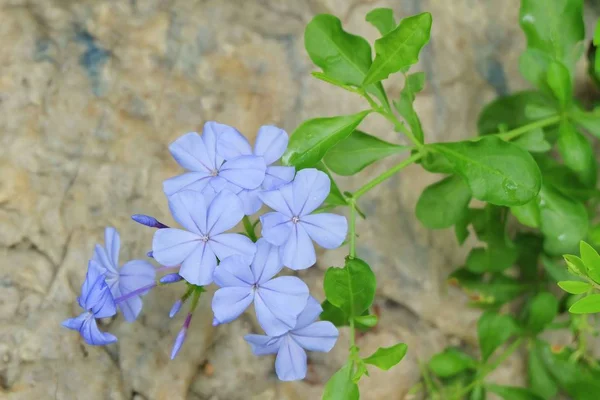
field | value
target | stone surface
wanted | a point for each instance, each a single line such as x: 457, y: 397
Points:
x: 92, y: 92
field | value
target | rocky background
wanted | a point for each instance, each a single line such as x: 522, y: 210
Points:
x: 91, y: 94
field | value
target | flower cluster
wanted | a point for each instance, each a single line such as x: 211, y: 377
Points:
x: 228, y: 180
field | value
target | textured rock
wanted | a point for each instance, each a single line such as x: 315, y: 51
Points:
x: 92, y: 92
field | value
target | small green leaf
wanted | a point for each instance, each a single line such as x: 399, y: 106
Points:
x: 341, y: 386
x: 413, y: 84
x: 497, y: 172
x: 513, y: 393
x: 444, y: 203
x: 313, y: 138
x: 541, y: 311
x: 400, y: 48
x: 335, y: 197
x: 451, y: 362
x: 495, y: 292
x: 358, y: 151
x: 528, y: 214
x: 382, y: 19
x: 478, y: 393
x: 574, y: 287
x: 386, y: 357
x: 533, y: 141
x: 333, y: 314
x: 540, y: 379
x: 367, y: 321
x: 575, y: 265
x: 361, y: 369
x: 332, y: 81
x: 343, y: 57
x: 559, y: 81
x: 589, y: 120
x: 533, y: 65
x: 351, y: 288
x: 587, y: 305
x: 495, y: 258
x: 577, y: 153
x: 493, y: 330
x: 591, y: 260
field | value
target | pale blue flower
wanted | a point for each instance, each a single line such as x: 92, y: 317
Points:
x: 291, y: 361
x: 292, y: 226
x: 197, y: 248
x: 209, y: 171
x: 277, y: 301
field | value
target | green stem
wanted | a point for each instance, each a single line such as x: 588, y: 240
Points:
x: 514, y: 133
x: 387, y: 174
x: 249, y: 228
x: 486, y: 370
x: 352, y: 229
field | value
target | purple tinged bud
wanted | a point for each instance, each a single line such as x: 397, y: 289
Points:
x: 175, y: 309
x: 150, y: 254
x: 181, y: 336
x: 170, y: 278
x: 215, y: 322
x: 148, y: 221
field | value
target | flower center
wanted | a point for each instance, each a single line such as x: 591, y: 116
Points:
x: 204, y: 238
x: 214, y: 172
x: 295, y: 220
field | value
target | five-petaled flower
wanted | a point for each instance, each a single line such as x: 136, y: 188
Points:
x: 291, y: 347
x: 210, y: 173
x: 277, y: 301
x: 197, y: 248
x: 293, y: 227
x: 97, y: 302
x: 132, y: 276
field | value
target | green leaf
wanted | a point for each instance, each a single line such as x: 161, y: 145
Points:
x: 577, y: 153
x: 540, y: 379
x: 451, y: 362
x: 400, y: 48
x: 497, y: 172
x: 313, y: 138
x: 542, y: 311
x: 528, y: 214
x: 382, y: 19
x: 533, y: 141
x: 326, y: 78
x: 493, y: 330
x: 436, y: 162
x: 589, y: 120
x: 358, y: 151
x: 559, y: 81
x: 495, y: 258
x: 444, y: 203
x: 333, y: 314
x: 553, y: 27
x: 574, y: 287
x: 386, y: 357
x: 575, y: 265
x: 564, y: 221
x: 591, y: 260
x: 413, y: 84
x: 495, y: 292
x: 512, y: 393
x: 367, y: 321
x: 351, y: 288
x: 335, y: 197
x: 478, y: 393
x: 587, y: 305
x: 341, y: 386
x: 343, y: 57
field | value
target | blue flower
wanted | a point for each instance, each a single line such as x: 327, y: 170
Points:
x: 198, y: 247
x: 293, y: 227
x: 271, y: 143
x: 209, y: 171
x: 277, y: 301
x: 132, y: 276
x: 97, y: 302
x: 291, y: 347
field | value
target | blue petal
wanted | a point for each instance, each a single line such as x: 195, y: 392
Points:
x: 112, y: 242
x: 94, y: 271
x: 280, y: 200
x: 196, y: 181
x: 229, y: 244
x: 104, y: 261
x: 298, y: 252
x: 310, y: 313
x: 276, y: 227
x: 189, y: 209
x: 278, y: 303
x: 171, y: 246
x: 229, y: 302
x: 250, y: 200
x: 134, y: 275
x: 93, y: 336
x: 266, y: 262
x: 319, y: 336
x: 76, y: 323
x: 311, y: 188
x: 198, y: 268
x: 328, y: 230
x: 97, y: 296
x: 271, y: 143
x: 247, y: 172
x: 232, y: 144
x: 262, y: 345
x: 224, y: 212
x: 234, y: 271
x: 277, y: 176
x: 290, y: 363
x: 210, y: 135
x: 191, y: 153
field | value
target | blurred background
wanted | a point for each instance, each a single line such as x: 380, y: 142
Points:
x: 91, y: 94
